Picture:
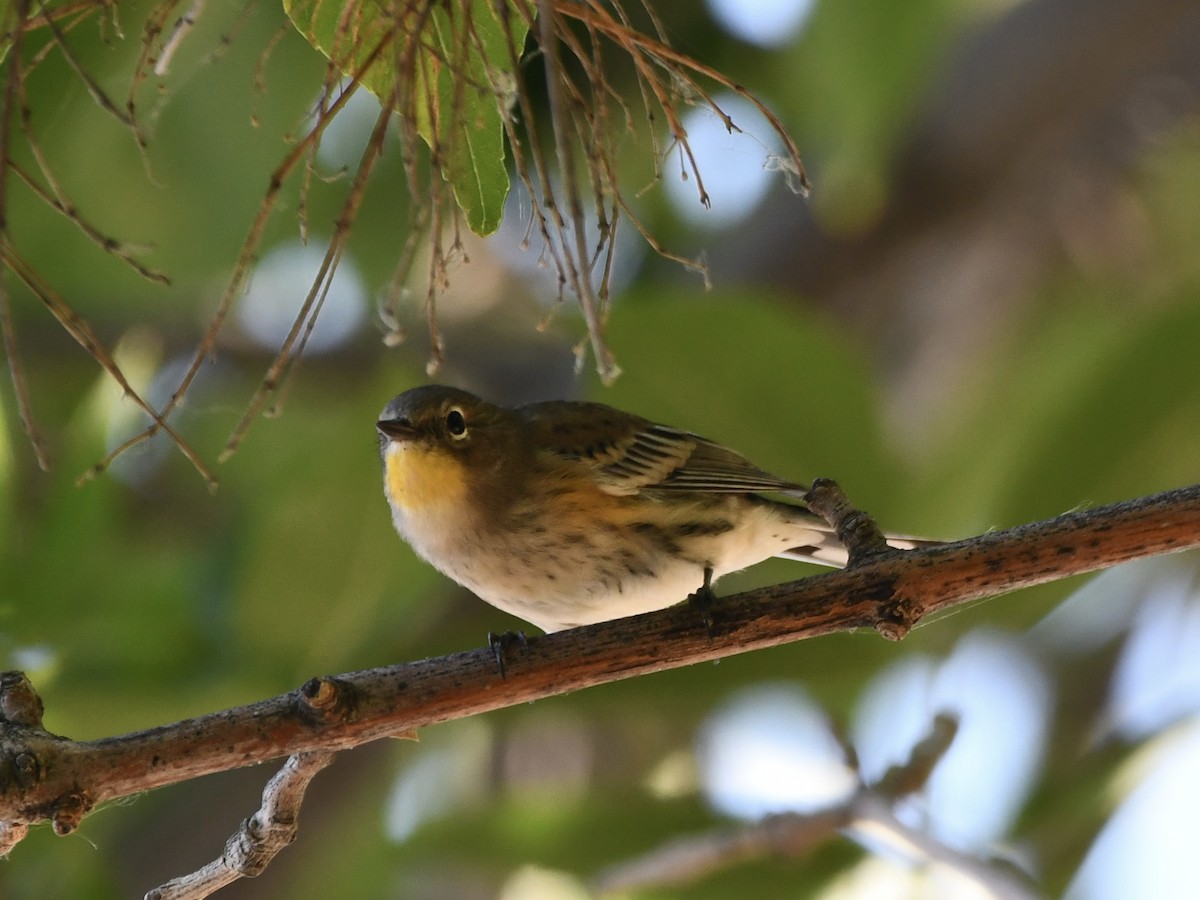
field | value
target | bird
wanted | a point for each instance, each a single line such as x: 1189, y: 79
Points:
x: 568, y: 513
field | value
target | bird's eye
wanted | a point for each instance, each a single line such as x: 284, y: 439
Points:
x: 456, y: 423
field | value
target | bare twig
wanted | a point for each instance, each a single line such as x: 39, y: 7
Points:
x: 876, y: 825
x: 888, y: 592
x: 97, y: 93
x: 422, y: 46
x: 865, y: 814
x: 183, y: 25
x: 12, y: 87
x: 691, y: 858
x: 679, y: 64
x: 83, y: 334
x: 575, y: 250
x: 53, y: 196
x: 246, y: 257
x: 260, y: 838
x: 306, y: 318
x: 902, y: 780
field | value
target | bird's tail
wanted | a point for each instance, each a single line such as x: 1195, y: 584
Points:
x: 829, y: 551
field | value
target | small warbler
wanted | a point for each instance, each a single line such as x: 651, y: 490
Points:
x: 568, y: 513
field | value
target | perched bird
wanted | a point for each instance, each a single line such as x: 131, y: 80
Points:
x: 568, y: 513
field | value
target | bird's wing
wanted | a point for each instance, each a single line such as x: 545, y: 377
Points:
x: 712, y: 468
x: 626, y: 454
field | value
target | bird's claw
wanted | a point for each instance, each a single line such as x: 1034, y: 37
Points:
x: 499, y: 644
x: 703, y: 599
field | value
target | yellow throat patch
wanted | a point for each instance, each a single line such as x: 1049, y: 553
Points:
x: 419, y: 477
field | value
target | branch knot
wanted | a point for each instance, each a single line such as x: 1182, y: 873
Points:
x: 326, y: 701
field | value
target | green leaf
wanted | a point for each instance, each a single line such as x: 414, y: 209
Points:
x: 461, y: 77
x: 476, y: 158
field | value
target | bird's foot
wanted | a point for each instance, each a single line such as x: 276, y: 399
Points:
x: 499, y: 644
x: 703, y: 599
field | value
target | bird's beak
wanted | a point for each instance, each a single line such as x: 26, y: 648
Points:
x: 396, y: 429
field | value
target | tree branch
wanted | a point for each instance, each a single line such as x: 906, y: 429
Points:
x: 865, y: 815
x: 47, y: 777
x: 260, y: 838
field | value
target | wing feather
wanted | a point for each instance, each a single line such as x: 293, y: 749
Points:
x: 713, y: 468
x: 627, y: 454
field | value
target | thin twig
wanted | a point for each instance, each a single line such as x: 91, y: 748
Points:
x: 53, y: 196
x: 286, y: 357
x: 577, y: 256
x: 692, y: 857
x: 16, y: 373
x: 678, y: 63
x: 246, y: 256
x: 876, y: 825
x: 260, y: 838
x: 183, y: 25
x: 66, y: 10
x: 152, y: 29
x: 94, y: 90
x: 83, y: 334
x: 688, y: 859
